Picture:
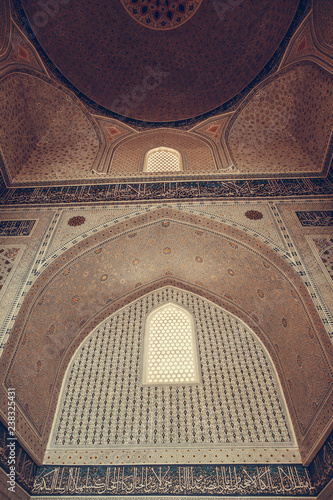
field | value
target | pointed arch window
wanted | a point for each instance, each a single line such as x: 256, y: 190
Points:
x: 170, y: 348
x: 162, y: 160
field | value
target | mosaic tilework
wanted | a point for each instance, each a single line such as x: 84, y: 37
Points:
x: 167, y: 191
x: 25, y: 467
x: 233, y: 404
x: 16, y: 227
x: 183, y: 454
x: 7, y: 258
x: 264, y: 227
x: 322, y: 250
x: 63, y: 299
x: 297, y: 261
x: 154, y: 497
x: 172, y: 480
x: 321, y: 467
x: 94, y: 218
x: 315, y: 218
x: 143, y: 480
x: 172, y: 90
x: 229, y: 213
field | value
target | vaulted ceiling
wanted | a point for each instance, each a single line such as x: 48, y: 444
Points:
x: 240, y: 89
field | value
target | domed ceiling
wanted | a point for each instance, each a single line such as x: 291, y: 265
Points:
x: 158, y: 60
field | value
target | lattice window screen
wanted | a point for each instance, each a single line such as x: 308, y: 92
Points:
x: 163, y: 160
x: 170, y: 349
x: 103, y: 401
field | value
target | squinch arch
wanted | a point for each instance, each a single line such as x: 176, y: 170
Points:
x: 95, y: 278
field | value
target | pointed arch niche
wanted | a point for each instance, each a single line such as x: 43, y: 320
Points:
x: 163, y: 159
x: 233, y: 409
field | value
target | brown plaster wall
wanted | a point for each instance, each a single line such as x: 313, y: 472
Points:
x: 96, y: 277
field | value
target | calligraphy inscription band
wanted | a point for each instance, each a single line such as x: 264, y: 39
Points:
x: 173, y: 480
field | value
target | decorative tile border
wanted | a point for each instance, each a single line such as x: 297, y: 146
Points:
x: 320, y: 244
x: 166, y: 497
x: 166, y: 191
x: 207, y: 480
x: 16, y: 227
x: 321, y: 467
x: 171, y: 481
x: 315, y: 218
x: 25, y: 467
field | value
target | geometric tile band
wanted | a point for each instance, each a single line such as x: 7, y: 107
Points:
x: 316, y: 218
x: 325, y: 249
x: 7, y: 259
x: 16, y: 227
x: 104, y: 403
x: 172, y: 482
x: 137, y: 192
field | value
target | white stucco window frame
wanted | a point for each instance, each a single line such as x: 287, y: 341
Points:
x: 160, y: 149
x: 194, y: 349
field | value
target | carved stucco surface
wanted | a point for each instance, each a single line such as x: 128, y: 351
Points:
x: 44, y: 134
x: 85, y: 285
x: 128, y: 157
x: 236, y: 400
x: 272, y: 133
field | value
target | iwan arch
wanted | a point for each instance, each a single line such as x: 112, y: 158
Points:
x: 213, y: 195
x: 111, y: 269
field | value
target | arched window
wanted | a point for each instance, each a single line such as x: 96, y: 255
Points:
x: 194, y: 355
x: 162, y: 160
x: 170, y: 351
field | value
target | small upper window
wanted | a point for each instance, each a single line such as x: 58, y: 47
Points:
x: 162, y: 160
x: 170, y: 352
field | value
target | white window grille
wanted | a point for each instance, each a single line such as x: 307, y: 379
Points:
x: 162, y: 160
x: 170, y: 354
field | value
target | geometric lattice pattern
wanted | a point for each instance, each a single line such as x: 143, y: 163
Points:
x: 325, y: 248
x: 103, y: 401
x: 16, y: 227
x: 7, y: 258
x: 163, y: 160
x: 170, y: 347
